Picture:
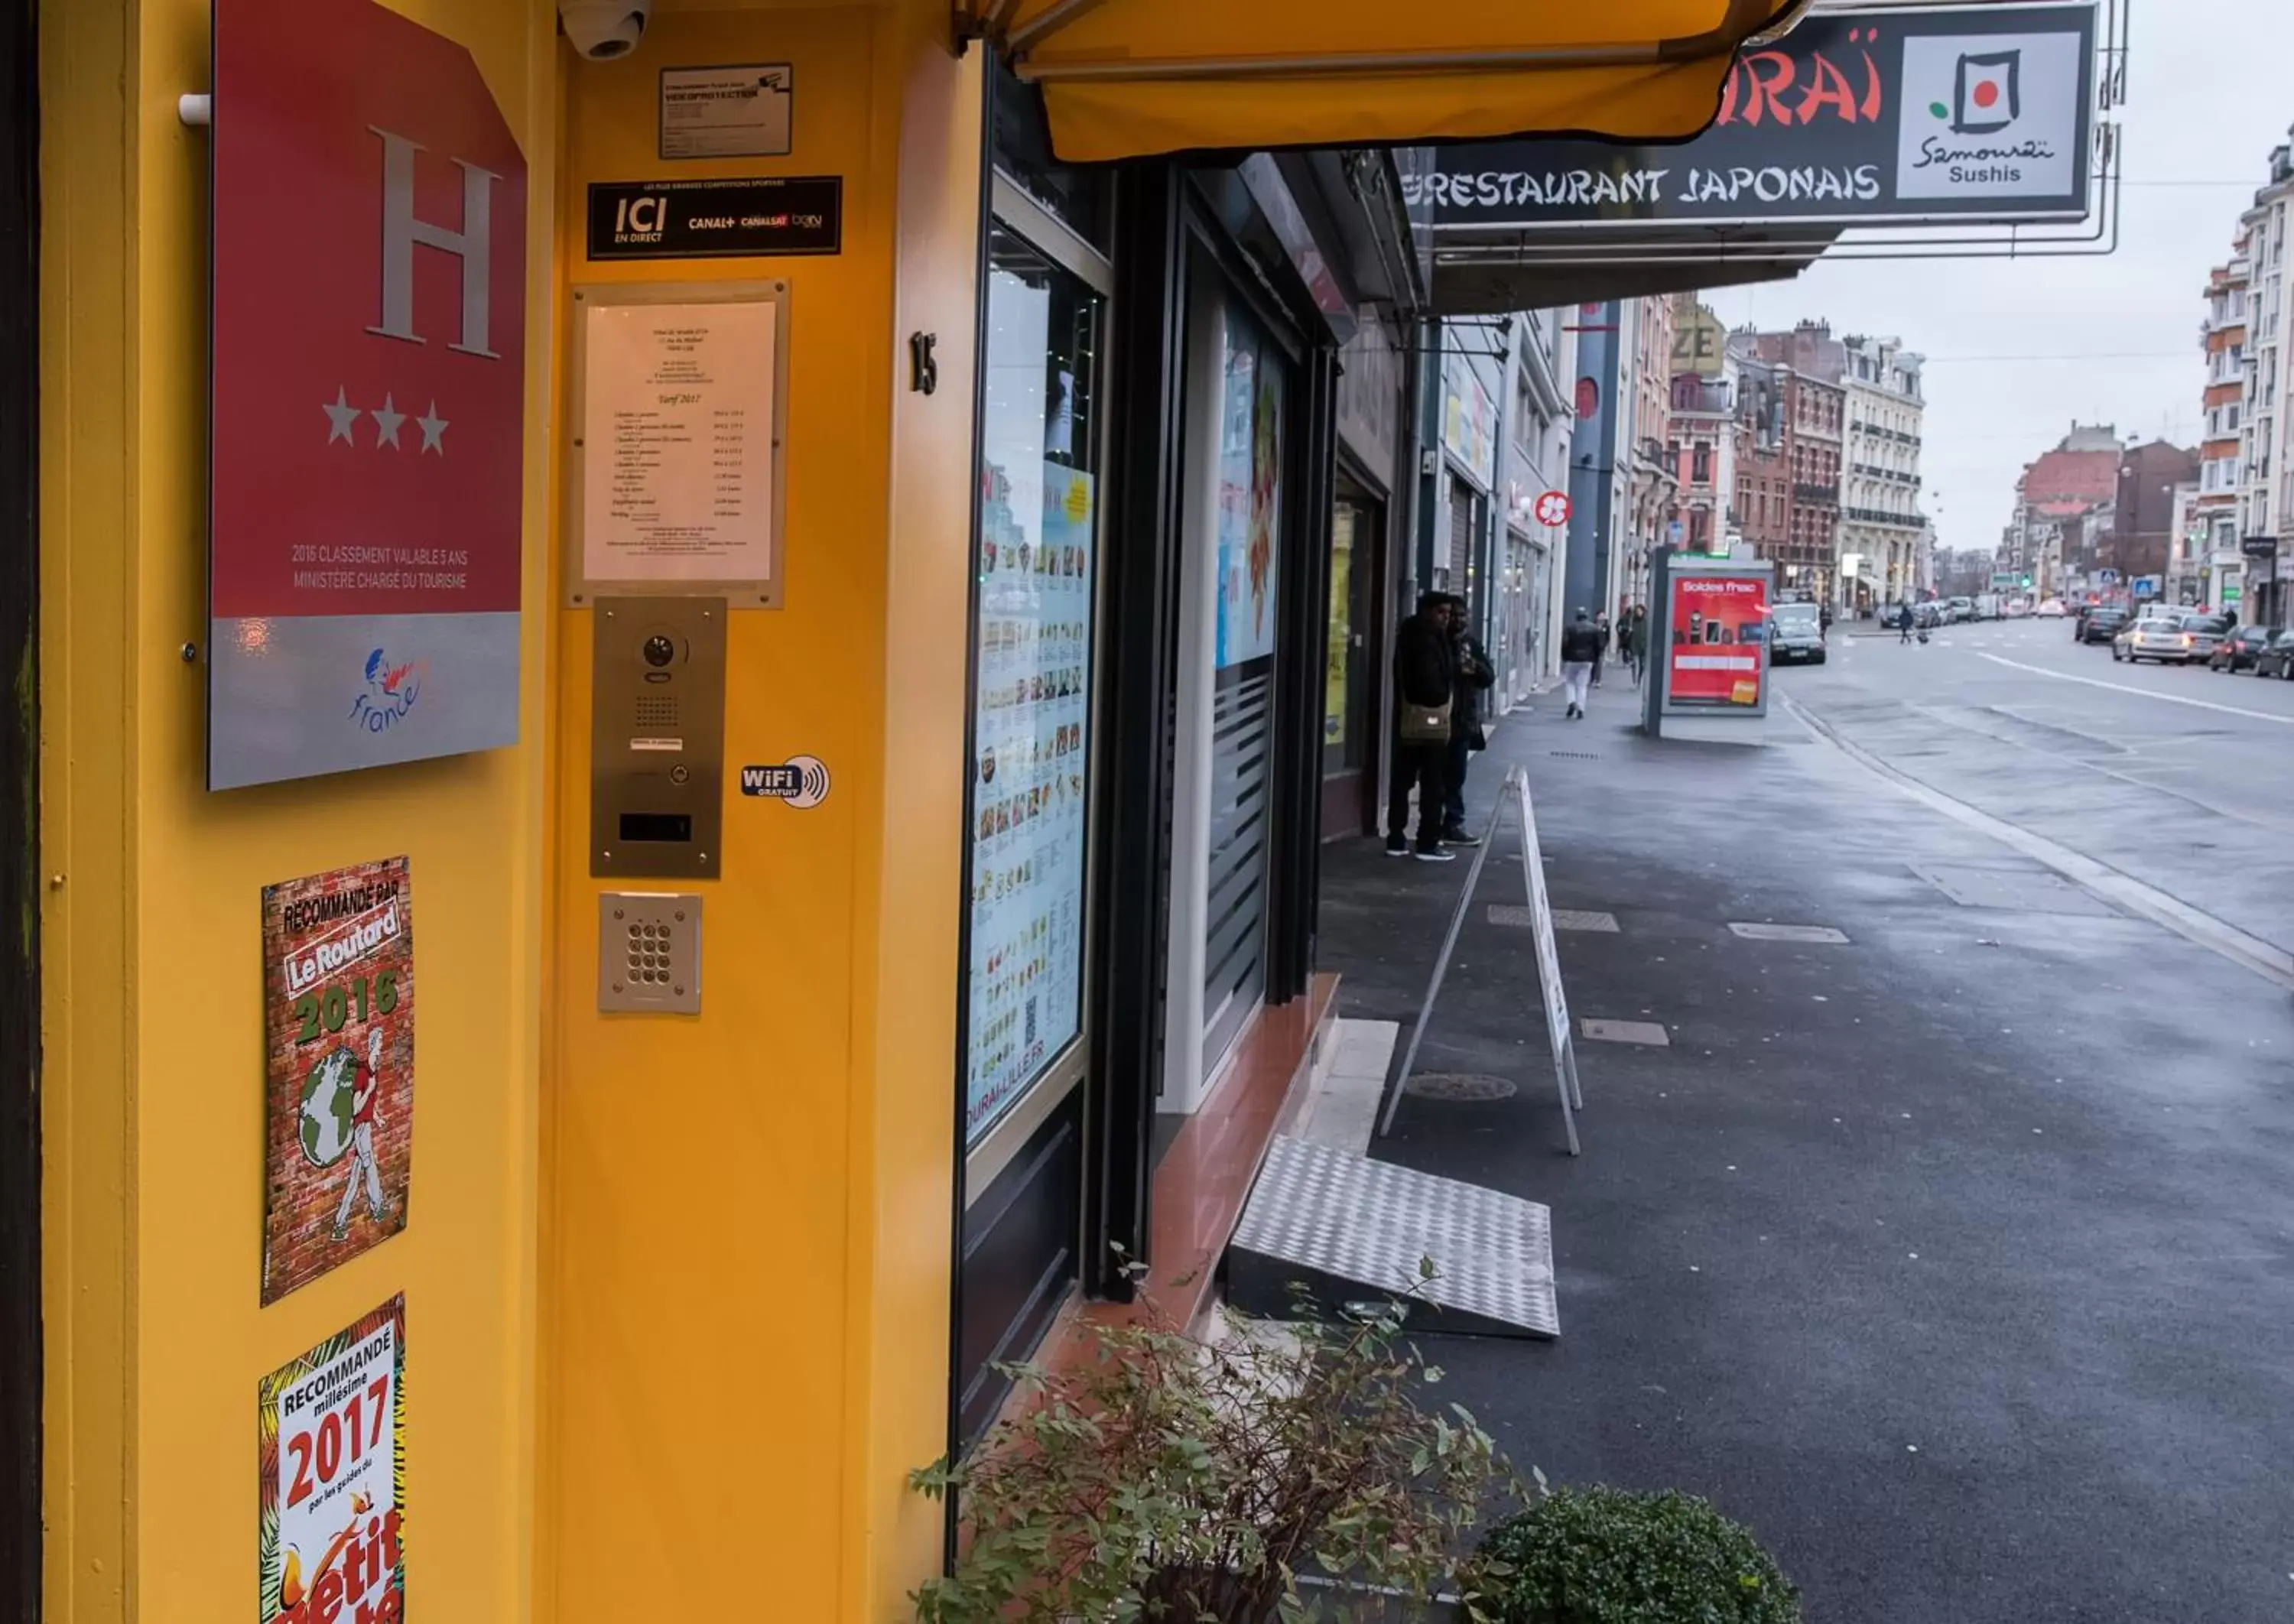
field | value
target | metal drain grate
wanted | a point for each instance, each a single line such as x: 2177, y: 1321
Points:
x: 1563, y: 919
x: 1463, y: 1087
x: 1573, y: 755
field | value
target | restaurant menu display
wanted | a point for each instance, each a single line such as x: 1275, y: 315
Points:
x: 1031, y: 719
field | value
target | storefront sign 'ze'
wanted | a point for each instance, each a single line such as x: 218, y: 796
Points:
x: 368, y: 386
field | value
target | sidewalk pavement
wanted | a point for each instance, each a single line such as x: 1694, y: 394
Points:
x: 1951, y: 1258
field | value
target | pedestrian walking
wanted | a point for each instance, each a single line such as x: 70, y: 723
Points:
x: 1473, y: 674
x: 1424, y: 682
x: 1905, y: 622
x: 1581, y: 652
x: 1601, y: 646
x: 1637, y: 642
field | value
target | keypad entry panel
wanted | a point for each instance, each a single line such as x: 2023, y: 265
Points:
x: 649, y: 953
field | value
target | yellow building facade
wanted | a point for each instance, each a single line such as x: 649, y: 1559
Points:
x: 677, y: 1292
x: 682, y: 1293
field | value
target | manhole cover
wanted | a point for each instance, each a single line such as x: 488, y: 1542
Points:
x: 1788, y: 933
x: 2016, y: 891
x: 1458, y: 1085
x: 1647, y: 1032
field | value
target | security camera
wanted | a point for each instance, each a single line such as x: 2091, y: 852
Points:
x: 605, y: 29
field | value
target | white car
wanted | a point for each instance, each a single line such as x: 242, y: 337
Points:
x: 2052, y: 609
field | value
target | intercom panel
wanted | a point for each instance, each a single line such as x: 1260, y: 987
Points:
x: 657, y: 738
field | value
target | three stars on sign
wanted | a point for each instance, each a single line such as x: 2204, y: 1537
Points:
x: 342, y: 417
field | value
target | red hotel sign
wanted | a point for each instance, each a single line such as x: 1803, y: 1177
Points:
x: 368, y: 388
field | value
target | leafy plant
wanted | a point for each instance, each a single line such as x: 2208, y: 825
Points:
x: 1180, y: 1480
x: 1607, y: 1557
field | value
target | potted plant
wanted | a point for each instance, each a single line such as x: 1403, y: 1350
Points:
x: 1605, y: 1555
x: 1263, y: 1474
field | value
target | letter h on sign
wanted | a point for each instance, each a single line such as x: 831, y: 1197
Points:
x: 400, y: 230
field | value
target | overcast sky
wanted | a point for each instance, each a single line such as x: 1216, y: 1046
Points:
x: 2210, y: 90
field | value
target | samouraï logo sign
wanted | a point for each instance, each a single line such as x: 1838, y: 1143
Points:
x: 1850, y: 116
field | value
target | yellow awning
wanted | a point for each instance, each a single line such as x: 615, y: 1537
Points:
x: 1127, y: 78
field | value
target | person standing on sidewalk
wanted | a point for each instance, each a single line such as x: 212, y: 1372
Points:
x: 1472, y: 674
x: 1425, y: 676
x: 1581, y: 652
x: 1637, y: 641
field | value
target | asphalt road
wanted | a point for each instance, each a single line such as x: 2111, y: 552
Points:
x: 2180, y: 777
x: 1958, y: 1259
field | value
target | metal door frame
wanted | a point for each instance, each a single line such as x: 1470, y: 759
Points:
x: 21, y: 1368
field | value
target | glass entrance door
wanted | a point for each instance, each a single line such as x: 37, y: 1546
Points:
x: 1224, y: 738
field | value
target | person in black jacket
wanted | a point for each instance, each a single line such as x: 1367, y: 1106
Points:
x: 1581, y: 652
x: 1424, y: 675
x: 1474, y: 675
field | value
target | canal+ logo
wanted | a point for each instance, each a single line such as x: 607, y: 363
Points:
x: 390, y: 692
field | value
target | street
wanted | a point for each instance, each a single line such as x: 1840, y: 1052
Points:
x: 2181, y: 778
x: 1954, y: 1257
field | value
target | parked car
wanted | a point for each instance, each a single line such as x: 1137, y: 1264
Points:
x: 2202, y: 634
x: 2278, y: 658
x: 2100, y: 624
x: 2051, y: 609
x: 1929, y: 615
x: 1796, y: 635
x: 2155, y: 637
x: 1961, y: 609
x: 2241, y: 649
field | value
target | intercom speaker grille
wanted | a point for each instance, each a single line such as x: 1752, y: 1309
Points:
x: 656, y: 711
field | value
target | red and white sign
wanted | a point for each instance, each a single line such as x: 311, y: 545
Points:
x: 1718, y: 624
x: 1552, y: 508
x: 369, y: 387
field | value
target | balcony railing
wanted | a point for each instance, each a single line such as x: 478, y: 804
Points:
x: 1874, y: 515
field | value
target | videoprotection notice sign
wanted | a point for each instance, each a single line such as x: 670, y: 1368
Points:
x: 1864, y: 116
x: 367, y: 429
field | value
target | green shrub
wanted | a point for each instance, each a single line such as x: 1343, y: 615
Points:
x: 1174, y: 1481
x: 1607, y: 1557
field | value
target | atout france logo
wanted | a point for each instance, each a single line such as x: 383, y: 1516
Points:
x: 391, y: 691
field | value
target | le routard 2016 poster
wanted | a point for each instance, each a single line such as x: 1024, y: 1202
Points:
x: 339, y: 1048
x: 331, y: 1431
